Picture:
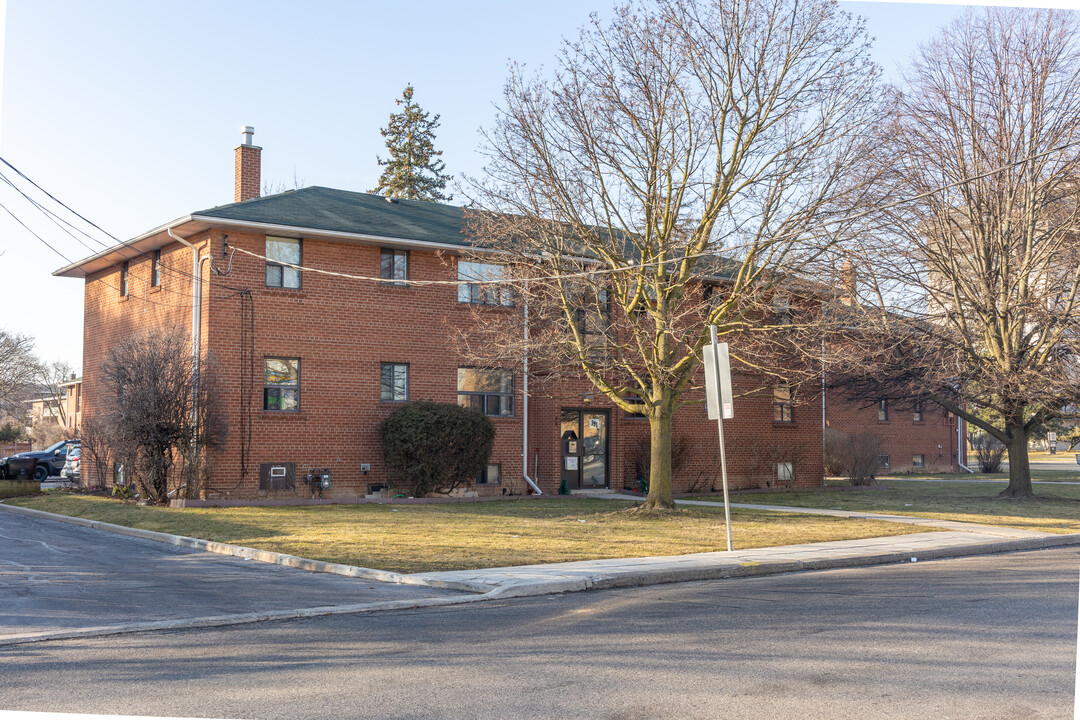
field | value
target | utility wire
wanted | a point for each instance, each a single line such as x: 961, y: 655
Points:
x: 68, y: 260
x: 657, y: 263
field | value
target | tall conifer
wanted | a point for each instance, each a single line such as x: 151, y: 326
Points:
x: 413, y: 171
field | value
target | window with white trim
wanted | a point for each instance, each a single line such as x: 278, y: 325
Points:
x: 488, y: 391
x: 394, y: 382
x: 281, y: 384
x: 281, y: 250
x: 476, y: 287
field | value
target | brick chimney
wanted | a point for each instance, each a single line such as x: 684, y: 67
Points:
x: 248, y: 167
x: 849, y: 282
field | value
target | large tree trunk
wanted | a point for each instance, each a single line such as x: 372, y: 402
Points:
x: 659, y: 497
x: 1019, y: 468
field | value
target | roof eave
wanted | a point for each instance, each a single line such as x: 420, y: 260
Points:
x: 76, y: 269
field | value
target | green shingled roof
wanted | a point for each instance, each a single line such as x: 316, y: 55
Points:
x: 320, y: 208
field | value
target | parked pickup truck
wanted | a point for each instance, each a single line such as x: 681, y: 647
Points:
x: 48, y: 462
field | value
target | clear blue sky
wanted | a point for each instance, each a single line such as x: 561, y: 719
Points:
x: 129, y: 111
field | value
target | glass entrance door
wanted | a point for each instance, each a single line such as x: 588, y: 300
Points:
x: 584, y: 439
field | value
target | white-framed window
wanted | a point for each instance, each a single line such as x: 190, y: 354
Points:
x: 883, y: 410
x: 394, y: 382
x: 283, y: 250
x: 394, y: 265
x: 785, y: 472
x: 783, y: 410
x: 917, y: 411
x: 488, y: 391
x: 281, y: 384
x: 918, y: 461
x: 476, y: 288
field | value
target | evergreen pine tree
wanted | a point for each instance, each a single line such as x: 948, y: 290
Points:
x: 413, y: 171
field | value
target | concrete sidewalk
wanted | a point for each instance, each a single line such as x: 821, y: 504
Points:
x: 953, y: 540
x: 956, y: 540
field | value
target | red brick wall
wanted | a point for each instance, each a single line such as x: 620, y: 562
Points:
x: 342, y: 330
x: 753, y: 441
x: 109, y: 318
x: 935, y: 438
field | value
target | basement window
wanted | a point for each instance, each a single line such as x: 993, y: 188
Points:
x: 883, y: 462
x: 490, y: 475
x: 785, y: 472
x: 282, y: 250
x: 918, y: 461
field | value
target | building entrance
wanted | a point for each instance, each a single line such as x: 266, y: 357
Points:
x: 584, y: 439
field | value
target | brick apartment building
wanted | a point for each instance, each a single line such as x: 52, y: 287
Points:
x: 311, y: 363
x: 914, y: 439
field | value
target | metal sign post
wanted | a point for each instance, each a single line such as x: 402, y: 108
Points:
x: 718, y: 402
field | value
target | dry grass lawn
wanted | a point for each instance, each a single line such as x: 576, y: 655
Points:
x: 418, y: 538
x: 1055, y: 508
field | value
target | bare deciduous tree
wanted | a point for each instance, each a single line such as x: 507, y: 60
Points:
x: 18, y: 367
x: 661, y: 180
x: 165, y: 409
x: 95, y: 454
x: 49, y: 378
x: 976, y: 283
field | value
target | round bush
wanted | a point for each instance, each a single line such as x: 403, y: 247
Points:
x: 434, y: 447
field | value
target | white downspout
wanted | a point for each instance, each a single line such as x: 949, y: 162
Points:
x: 960, y: 445
x: 525, y: 410
x: 196, y: 294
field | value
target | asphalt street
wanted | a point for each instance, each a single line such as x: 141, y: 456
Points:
x: 986, y: 637
x: 56, y: 576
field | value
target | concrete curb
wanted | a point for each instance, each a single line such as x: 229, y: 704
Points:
x: 596, y: 580
x: 658, y: 576
x: 266, y: 556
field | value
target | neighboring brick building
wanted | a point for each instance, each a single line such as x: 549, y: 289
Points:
x: 71, y: 391
x: 331, y: 357
x: 913, y: 439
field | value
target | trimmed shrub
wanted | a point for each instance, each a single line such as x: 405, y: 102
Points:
x: 431, y: 447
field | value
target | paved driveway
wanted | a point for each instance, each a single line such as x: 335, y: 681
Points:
x: 56, y: 576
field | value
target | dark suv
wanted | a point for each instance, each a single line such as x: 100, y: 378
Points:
x: 48, y: 462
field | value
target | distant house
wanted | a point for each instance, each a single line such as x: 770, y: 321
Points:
x: 71, y: 394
